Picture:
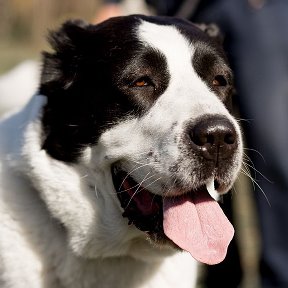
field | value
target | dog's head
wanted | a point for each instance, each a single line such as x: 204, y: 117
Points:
x: 142, y: 103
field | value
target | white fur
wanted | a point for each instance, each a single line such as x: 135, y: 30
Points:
x: 61, y: 225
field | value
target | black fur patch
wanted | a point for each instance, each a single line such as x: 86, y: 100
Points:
x: 210, y: 67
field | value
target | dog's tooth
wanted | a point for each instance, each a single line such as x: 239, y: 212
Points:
x: 211, y: 189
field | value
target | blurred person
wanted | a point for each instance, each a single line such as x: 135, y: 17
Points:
x: 108, y: 10
x: 114, y: 8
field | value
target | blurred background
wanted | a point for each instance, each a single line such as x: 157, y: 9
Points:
x: 23, y: 29
x: 24, y: 24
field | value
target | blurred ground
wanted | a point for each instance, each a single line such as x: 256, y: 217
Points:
x: 23, y: 26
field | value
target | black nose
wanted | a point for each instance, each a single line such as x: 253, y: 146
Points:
x: 214, y: 137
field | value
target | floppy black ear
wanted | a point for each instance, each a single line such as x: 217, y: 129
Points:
x: 60, y: 66
x: 212, y: 30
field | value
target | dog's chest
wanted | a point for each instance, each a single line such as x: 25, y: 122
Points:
x: 178, y: 271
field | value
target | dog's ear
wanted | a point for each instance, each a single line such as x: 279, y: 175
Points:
x: 60, y: 66
x: 212, y: 30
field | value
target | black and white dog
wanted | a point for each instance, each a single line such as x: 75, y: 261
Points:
x: 105, y: 175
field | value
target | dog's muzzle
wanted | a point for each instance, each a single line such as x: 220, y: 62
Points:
x: 181, y: 208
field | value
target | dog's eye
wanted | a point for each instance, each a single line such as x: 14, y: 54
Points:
x: 219, y: 80
x: 142, y: 82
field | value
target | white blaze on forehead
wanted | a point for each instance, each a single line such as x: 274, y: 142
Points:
x: 168, y: 40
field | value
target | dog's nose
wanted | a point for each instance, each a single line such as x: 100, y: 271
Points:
x: 214, y: 137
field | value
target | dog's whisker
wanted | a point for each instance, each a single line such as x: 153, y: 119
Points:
x: 247, y: 159
x: 122, y: 191
x: 136, y: 191
x: 140, y: 163
x: 247, y: 172
x: 168, y: 189
x: 84, y: 176
x: 244, y: 120
x: 96, y: 192
x: 256, y: 170
x: 234, y: 190
x: 254, y: 182
x: 130, y: 172
x: 143, y: 163
x: 150, y: 183
x: 256, y: 151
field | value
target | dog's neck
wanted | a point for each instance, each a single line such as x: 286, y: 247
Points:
x: 129, y: 273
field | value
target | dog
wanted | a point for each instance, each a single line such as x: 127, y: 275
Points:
x: 108, y: 174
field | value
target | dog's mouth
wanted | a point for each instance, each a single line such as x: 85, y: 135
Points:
x: 192, y: 221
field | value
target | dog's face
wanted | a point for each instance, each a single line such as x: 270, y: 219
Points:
x: 141, y: 103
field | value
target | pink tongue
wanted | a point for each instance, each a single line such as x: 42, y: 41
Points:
x: 198, y: 226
